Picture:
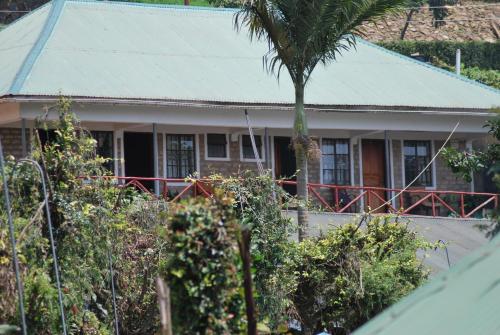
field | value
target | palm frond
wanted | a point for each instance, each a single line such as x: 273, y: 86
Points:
x: 302, y: 33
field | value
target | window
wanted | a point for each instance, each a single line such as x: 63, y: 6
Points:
x: 247, y: 149
x: 217, y: 146
x: 180, y: 156
x: 104, y: 146
x: 335, y: 161
x: 417, y: 154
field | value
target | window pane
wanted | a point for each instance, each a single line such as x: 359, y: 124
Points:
x: 216, y: 145
x: 247, y: 146
x: 335, y: 161
x: 180, y: 156
x: 417, y: 157
x: 328, y: 147
x: 328, y: 176
x: 342, y: 148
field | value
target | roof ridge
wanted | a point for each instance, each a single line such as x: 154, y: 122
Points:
x: 36, y: 49
x: 430, y: 66
x: 157, y: 5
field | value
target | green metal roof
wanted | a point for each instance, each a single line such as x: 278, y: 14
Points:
x: 136, y: 51
x: 464, y: 300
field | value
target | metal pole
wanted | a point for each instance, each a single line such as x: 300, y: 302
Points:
x: 267, y: 145
x: 51, y: 238
x: 458, y: 61
x: 23, y: 138
x: 13, y: 243
x: 155, y: 159
x: 113, y: 293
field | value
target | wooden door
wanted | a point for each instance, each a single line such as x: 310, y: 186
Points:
x: 374, y: 171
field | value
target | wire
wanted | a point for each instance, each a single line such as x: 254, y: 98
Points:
x: 455, y: 6
x: 388, y: 202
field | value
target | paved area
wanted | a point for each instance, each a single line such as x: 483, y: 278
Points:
x: 460, y: 235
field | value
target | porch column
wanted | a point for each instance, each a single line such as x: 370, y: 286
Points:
x: 23, y: 138
x: 155, y: 159
x: 267, y: 147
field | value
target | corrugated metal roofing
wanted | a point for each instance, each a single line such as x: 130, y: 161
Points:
x: 463, y: 300
x: 124, y: 50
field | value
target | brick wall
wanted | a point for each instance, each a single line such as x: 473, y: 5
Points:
x: 226, y: 168
x: 445, y: 179
x: 11, y: 141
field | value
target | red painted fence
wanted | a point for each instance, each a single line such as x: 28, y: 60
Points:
x: 345, y: 199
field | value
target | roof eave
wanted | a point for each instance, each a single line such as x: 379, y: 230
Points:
x: 253, y: 105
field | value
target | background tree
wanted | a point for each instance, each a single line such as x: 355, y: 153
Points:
x: 301, y: 34
x: 439, y: 12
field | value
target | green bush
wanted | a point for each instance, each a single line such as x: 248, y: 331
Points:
x: 90, y: 219
x: 484, y: 55
x: 353, y: 273
x: 258, y: 206
x: 203, y: 267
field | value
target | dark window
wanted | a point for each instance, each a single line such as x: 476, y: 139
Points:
x: 417, y: 156
x: 104, y: 147
x: 180, y: 156
x: 216, y: 146
x: 336, y: 163
x: 247, y: 146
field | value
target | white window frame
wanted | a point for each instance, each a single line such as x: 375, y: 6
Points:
x: 262, y: 149
x: 432, y: 167
x: 221, y: 159
x: 351, y: 159
x: 196, y: 152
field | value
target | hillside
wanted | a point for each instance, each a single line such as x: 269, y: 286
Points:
x: 469, y: 21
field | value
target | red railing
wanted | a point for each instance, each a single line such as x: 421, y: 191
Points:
x: 343, y: 199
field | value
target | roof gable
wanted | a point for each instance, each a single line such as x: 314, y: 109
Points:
x: 125, y: 50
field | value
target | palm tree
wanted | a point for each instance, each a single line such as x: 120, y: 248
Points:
x: 301, y: 34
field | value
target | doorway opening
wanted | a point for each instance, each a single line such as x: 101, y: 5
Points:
x: 284, y: 162
x: 139, y: 156
x: 374, y: 168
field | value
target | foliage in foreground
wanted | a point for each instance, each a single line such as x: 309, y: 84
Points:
x: 343, y: 279
x: 90, y: 219
x: 203, y: 266
x: 351, y: 274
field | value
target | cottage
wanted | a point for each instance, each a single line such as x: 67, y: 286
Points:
x: 164, y: 90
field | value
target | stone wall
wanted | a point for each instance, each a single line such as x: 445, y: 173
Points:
x: 224, y: 167
x: 445, y: 178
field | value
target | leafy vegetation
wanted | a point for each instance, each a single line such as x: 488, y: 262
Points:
x: 203, y: 266
x: 351, y: 274
x: 90, y: 220
x: 338, y: 280
x: 479, y: 59
x: 484, y: 55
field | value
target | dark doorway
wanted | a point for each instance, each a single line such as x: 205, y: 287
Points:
x: 284, y: 162
x: 374, y: 170
x: 139, y: 156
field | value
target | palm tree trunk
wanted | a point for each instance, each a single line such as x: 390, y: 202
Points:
x: 301, y: 147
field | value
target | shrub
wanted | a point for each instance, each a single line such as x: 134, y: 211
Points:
x: 90, y: 219
x: 259, y: 202
x: 351, y: 274
x: 485, y: 55
x: 203, y: 266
